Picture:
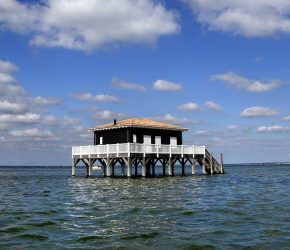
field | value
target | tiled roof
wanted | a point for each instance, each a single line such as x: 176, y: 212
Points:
x: 139, y: 123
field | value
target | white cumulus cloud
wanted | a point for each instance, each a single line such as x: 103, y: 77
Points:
x: 244, y: 17
x: 7, y: 67
x: 88, y: 25
x: 20, y: 118
x: 256, y: 112
x: 163, y: 85
x: 108, y: 115
x: 187, y: 107
x: 250, y: 85
x: 13, y: 107
x: 96, y: 98
x: 286, y: 118
x: 275, y: 128
x: 40, y: 100
x: 31, y: 133
x: 213, y: 106
x: 119, y: 84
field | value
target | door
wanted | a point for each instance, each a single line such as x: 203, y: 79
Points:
x: 147, y: 139
x: 158, y: 141
x: 134, y: 138
x: 173, y: 141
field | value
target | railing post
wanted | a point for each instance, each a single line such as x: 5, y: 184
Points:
x: 170, y: 150
x: 117, y: 148
x: 144, y: 149
x: 81, y: 152
x: 157, y: 150
x: 107, y: 149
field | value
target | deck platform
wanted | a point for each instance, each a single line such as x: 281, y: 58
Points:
x: 146, y: 156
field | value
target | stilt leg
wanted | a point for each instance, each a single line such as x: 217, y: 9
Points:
x: 129, y: 170
x: 193, y: 167
x: 153, y: 169
x: 182, y: 167
x: 148, y: 165
x: 113, y: 170
x: 222, y: 164
x: 123, y: 169
x: 136, y: 168
x: 108, y: 167
x: 144, y: 167
x: 170, y: 167
x: 73, y: 167
x: 203, y: 166
x: 164, y: 167
x: 90, y: 167
x: 211, y: 164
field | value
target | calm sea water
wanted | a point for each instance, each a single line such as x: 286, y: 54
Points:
x: 247, y: 208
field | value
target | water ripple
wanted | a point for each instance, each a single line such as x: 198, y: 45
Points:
x: 248, y: 208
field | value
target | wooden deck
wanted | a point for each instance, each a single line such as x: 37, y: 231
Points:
x: 145, y: 155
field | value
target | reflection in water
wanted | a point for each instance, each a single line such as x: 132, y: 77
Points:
x: 48, y: 208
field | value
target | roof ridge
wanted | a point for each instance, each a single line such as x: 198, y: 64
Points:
x: 141, y: 123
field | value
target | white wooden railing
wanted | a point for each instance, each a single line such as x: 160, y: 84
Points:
x: 136, y: 148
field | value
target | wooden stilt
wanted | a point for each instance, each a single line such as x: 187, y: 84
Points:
x: 182, y: 166
x: 108, y: 167
x: 170, y: 167
x: 164, y: 167
x: 129, y: 170
x: 144, y: 167
x: 148, y: 165
x: 193, y: 166
x: 211, y: 164
x: 136, y: 167
x: 73, y: 167
x: 104, y: 170
x: 123, y: 169
x: 222, y: 164
x: 153, y: 168
x: 113, y: 168
x: 203, y: 165
x: 90, y: 167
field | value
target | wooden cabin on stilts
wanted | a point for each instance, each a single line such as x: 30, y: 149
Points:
x: 140, y: 144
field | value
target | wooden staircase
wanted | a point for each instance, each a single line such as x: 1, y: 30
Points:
x: 210, y: 164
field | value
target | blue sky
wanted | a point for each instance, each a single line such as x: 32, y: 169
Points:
x: 219, y: 68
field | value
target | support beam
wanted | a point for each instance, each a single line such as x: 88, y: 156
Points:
x: 148, y: 165
x: 90, y: 167
x: 170, y: 167
x: 153, y: 167
x: 222, y: 164
x: 129, y: 170
x: 136, y: 166
x: 74, y: 164
x: 211, y: 164
x: 203, y: 166
x: 193, y: 166
x: 164, y: 167
x: 182, y: 166
x: 108, y: 167
x: 123, y: 169
x: 113, y: 168
x: 144, y: 167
